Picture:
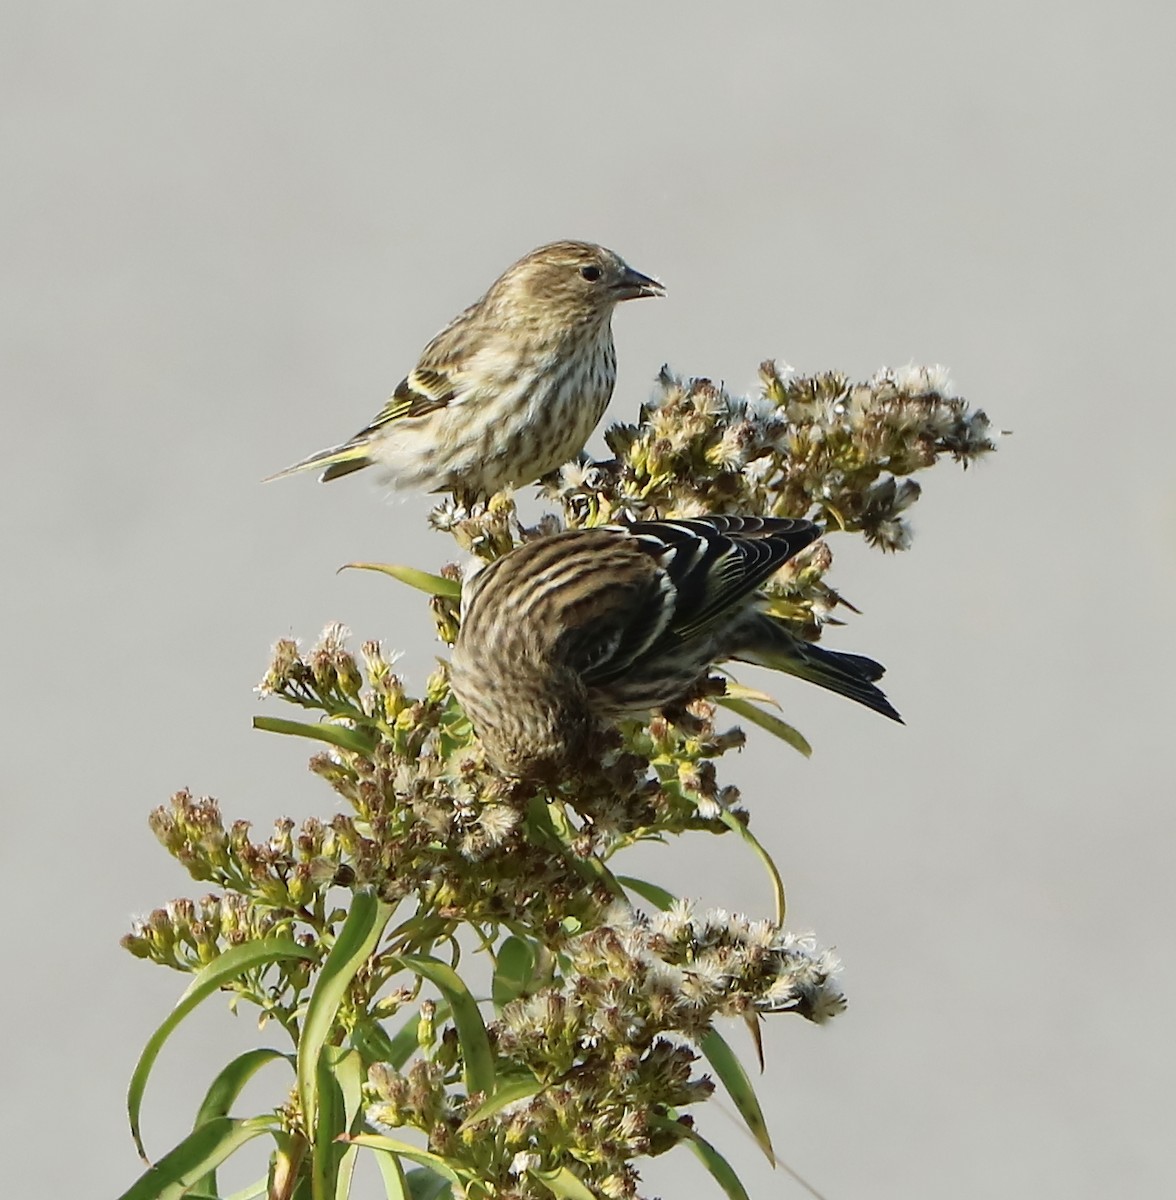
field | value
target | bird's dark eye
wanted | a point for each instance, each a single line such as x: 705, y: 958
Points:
x: 592, y: 274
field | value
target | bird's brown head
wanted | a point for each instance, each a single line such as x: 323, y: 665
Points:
x: 579, y: 280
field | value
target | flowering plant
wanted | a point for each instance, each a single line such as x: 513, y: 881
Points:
x: 454, y: 956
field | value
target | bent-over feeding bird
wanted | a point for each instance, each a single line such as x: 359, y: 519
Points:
x: 510, y: 389
x: 592, y: 625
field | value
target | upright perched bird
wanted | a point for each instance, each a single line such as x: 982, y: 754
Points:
x: 594, y: 625
x: 510, y: 389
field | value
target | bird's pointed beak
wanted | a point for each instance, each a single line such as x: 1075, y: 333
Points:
x: 632, y: 285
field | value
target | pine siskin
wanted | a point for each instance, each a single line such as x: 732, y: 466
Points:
x: 510, y: 389
x: 599, y: 624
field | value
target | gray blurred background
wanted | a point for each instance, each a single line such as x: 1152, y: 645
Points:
x: 227, y: 229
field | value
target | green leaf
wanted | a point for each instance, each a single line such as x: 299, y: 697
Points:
x: 421, y: 1183
x: 224, y: 1090
x: 424, y: 1184
x: 515, y: 967
x: 392, y: 1173
x: 227, y: 1086
x: 434, y: 1162
x: 202, y: 1151
x: 348, y: 1069
x: 720, y: 1169
x: 346, y: 1172
x: 357, y: 939
x: 737, y: 826
x: 478, y: 1058
x: 507, y: 1093
x: 340, y: 1078
x: 435, y: 585
x: 255, y: 1191
x: 757, y: 716
x: 739, y: 1087
x: 359, y: 741
x: 563, y: 1183
x: 329, y: 1124
x: 371, y: 1039
x: 230, y: 965
x: 657, y: 896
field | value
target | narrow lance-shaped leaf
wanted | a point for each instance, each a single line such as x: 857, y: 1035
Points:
x: 720, y: 1169
x: 202, y: 1151
x: 562, y: 1182
x: 227, y: 1086
x: 765, y: 720
x: 657, y: 896
x: 478, y: 1058
x: 256, y: 1190
x: 359, y: 741
x: 739, y: 1087
x: 424, y: 1184
x: 435, y: 585
x: 515, y: 966
x: 230, y: 965
x: 434, y: 1162
x: 420, y: 1183
x: 371, y: 1039
x: 340, y: 1079
x: 329, y: 1124
x: 356, y: 941
x: 392, y: 1175
x: 347, y: 1068
x: 224, y: 1090
x: 507, y: 1093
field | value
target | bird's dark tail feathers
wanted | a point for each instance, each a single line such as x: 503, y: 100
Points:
x: 770, y: 643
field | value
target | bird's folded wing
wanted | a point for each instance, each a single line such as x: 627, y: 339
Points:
x: 715, y: 564
x: 424, y: 391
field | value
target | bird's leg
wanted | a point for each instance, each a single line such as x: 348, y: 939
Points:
x: 682, y: 718
x: 464, y: 499
x: 690, y: 723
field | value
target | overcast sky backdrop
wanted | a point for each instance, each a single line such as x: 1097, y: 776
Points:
x: 226, y: 230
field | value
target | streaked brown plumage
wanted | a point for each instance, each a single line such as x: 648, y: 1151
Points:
x: 511, y: 389
x: 594, y: 625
